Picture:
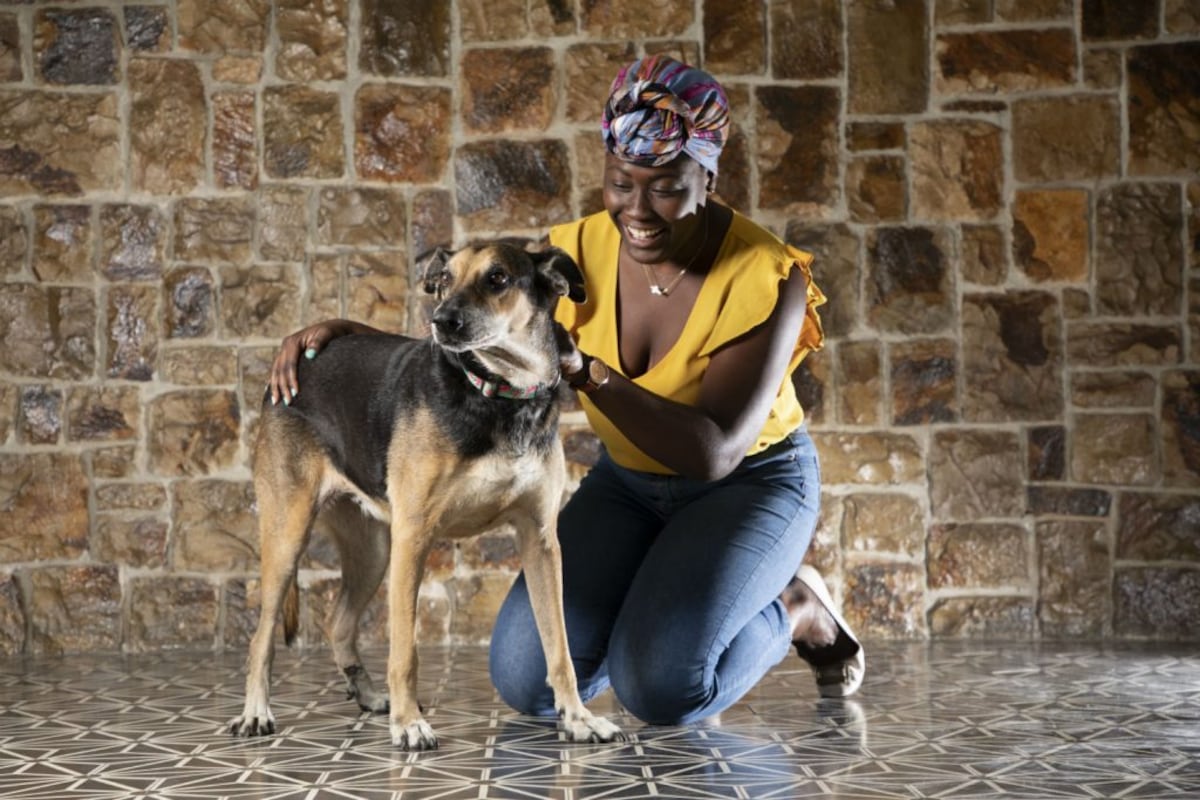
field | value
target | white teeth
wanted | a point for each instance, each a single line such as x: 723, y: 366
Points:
x: 641, y: 233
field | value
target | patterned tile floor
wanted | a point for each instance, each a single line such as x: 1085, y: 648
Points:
x: 940, y: 720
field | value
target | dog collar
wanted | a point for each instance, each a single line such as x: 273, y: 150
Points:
x: 500, y: 389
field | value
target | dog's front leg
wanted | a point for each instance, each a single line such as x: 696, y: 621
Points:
x: 409, y: 729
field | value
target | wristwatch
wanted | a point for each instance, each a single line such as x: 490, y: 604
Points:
x: 594, y: 374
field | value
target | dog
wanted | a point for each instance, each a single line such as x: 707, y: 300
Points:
x: 440, y: 437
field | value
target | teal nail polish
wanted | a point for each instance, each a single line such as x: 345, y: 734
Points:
x: 310, y: 353
x: 294, y: 392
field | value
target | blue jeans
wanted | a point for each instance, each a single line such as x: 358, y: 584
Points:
x: 671, y: 586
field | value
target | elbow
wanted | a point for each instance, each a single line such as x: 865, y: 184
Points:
x: 714, y: 464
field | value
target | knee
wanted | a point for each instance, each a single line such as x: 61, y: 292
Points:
x: 656, y: 688
x: 519, y: 676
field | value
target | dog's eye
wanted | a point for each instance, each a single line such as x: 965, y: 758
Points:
x: 497, y: 280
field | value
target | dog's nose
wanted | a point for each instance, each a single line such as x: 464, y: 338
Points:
x: 448, y: 320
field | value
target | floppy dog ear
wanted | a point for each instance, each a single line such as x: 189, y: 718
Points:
x: 561, y: 272
x: 431, y: 269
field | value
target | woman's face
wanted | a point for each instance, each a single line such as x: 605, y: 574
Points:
x: 656, y: 209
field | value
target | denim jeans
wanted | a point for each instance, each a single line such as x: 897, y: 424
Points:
x: 671, y: 586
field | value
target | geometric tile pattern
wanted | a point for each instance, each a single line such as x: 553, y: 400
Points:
x: 933, y: 720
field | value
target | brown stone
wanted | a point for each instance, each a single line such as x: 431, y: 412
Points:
x: 47, y: 332
x: 132, y: 331
x: 957, y: 170
x: 811, y: 380
x: 882, y: 523
x: 735, y: 37
x: 241, y: 601
x: 1159, y: 602
x: 877, y: 189
x: 1076, y: 302
x: 1159, y: 527
x: 885, y: 600
x: 630, y: 19
x: 860, y: 383
x: 888, y: 57
x: 806, y: 41
x: 502, y: 185
x: 169, y: 612
x: 377, y: 289
x: 59, y: 144
x: 836, y: 270
x: 1004, y: 618
x: 1074, y: 569
x: 62, y: 244
x: 202, y: 365
x: 589, y: 72
x: 190, y: 302
x: 1032, y: 10
x: 361, y: 217
x: 493, y: 550
x: 41, y: 415
x: 498, y: 20
x: 975, y: 474
x: 147, y: 28
x: 14, y: 241
x: 402, y: 133
x: 11, y: 70
x: 1050, y: 234
x: 962, y: 12
x: 112, y: 462
x: 243, y: 70
x: 12, y: 617
x: 132, y: 242
x: 432, y: 222
x: 1064, y: 502
x: 1110, y: 344
x: 551, y: 17
x: 234, y: 140
x: 507, y: 89
x: 103, y: 413
x: 220, y: 26
x: 1012, y: 357
x: 1182, y: 16
x: 74, y: 610
x: 1065, y: 138
x: 797, y: 158
x: 214, y: 526
x: 326, y: 276
x: 405, y: 39
x: 924, y: 376
x: 1114, y: 449
x: 167, y: 125
x: 1113, y: 389
x: 1181, y: 428
x: 869, y: 458
x: 193, y: 432
x: 8, y: 409
x: 1114, y: 19
x: 476, y: 599
x: 76, y: 46
x: 982, y: 255
x: 302, y: 133
x: 130, y: 496
x: 312, y: 40
x: 1139, y: 259
x: 1005, y: 61
x: 909, y: 283
x: 1103, y: 68
x: 282, y: 223
x: 1047, y: 455
x: 261, y: 300
x: 978, y: 555
x: 130, y: 540
x: 216, y: 229
x: 875, y: 136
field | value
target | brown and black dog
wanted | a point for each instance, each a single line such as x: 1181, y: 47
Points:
x: 440, y: 437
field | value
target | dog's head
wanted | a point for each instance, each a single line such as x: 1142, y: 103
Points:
x: 486, y: 293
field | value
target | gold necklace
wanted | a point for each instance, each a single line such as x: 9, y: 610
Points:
x: 656, y: 288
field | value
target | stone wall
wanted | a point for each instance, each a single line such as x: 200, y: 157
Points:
x: 1002, y: 194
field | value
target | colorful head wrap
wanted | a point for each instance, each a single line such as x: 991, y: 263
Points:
x: 659, y: 107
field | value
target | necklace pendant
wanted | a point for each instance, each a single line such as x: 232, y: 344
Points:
x: 657, y: 290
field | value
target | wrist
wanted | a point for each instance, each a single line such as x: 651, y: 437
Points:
x: 591, y: 376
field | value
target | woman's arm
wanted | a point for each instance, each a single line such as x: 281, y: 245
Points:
x: 283, y: 384
x: 708, y: 440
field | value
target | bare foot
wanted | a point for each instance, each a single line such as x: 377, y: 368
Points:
x: 812, y: 624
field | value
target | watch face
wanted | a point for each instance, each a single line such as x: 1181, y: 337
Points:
x: 597, y: 372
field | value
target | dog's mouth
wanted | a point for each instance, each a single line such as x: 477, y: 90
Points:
x: 453, y: 343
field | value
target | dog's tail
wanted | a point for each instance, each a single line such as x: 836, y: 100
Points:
x: 291, y: 613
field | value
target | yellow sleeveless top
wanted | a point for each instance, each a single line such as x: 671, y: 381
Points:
x: 737, y: 295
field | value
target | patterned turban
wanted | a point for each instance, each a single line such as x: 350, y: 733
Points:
x: 659, y: 107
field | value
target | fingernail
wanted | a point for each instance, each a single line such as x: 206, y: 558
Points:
x: 310, y: 353
x: 274, y: 401
x: 286, y: 400
x: 294, y: 392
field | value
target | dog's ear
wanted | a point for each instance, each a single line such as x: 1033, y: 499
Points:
x: 431, y: 269
x: 562, y: 273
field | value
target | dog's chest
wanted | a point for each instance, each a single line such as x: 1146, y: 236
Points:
x: 487, y: 491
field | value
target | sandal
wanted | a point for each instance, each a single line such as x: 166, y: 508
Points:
x: 838, y: 668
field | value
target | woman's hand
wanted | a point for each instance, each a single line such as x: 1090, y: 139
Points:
x: 570, y: 360
x: 283, y: 384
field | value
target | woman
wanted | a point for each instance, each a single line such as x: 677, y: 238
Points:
x: 680, y: 547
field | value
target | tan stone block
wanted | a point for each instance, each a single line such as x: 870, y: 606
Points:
x: 217, y: 229
x: 1011, y: 357
x: 200, y: 365
x: 432, y: 220
x: 1114, y: 449
x: 41, y: 415
x: 552, y: 18
x: 62, y: 244
x: 112, y: 462
x: 877, y: 188
x: 979, y: 556
x: 325, y: 278
x: 401, y: 39
x: 982, y: 618
x: 1050, y: 234
x: 1005, y: 61
x: 11, y: 70
x: 193, y: 432
x: 170, y: 612
x: 131, y: 327
x: 12, y: 618
x: 1103, y: 68
x: 962, y: 12
x: 14, y: 241
x: 147, y: 29
x: 630, y: 19
x: 1157, y: 602
x: 402, y: 133
x: 797, y: 128
x: 888, y: 43
x: 241, y: 601
x: 886, y: 600
x: 983, y: 255
x: 168, y: 119
x: 132, y: 242
x: 1060, y: 501
x: 239, y: 69
x: 806, y: 41
x: 975, y: 474
x: 8, y: 409
x: 220, y: 26
x: 1139, y: 256
x: 377, y: 289
x: 957, y: 170
x: 130, y: 540
x: 735, y: 37
x: 48, y: 332
x: 74, y: 610
x: 214, y: 527
x: 1181, y: 16
x: 508, y: 89
x: 590, y: 69
x: 1077, y: 303
x: 235, y: 140
x: 502, y: 20
x: 1181, y: 428
x: 312, y: 40
x: 363, y: 217
x: 869, y: 458
x: 302, y: 133
x: 909, y: 283
x: 62, y: 144
x: 476, y: 600
x: 434, y: 614
x: 103, y: 413
x: 1074, y: 568
x: 924, y: 378
x: 882, y: 523
x: 860, y: 383
x: 76, y: 46
x: 130, y: 496
x: 510, y: 184
x: 1065, y: 138
x: 826, y: 553
x: 282, y: 223
x: 1116, y: 344
x: 1047, y: 454
x: 1113, y: 389
x: 190, y: 303
x: 1159, y: 527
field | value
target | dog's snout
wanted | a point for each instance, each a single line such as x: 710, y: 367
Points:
x: 448, y: 319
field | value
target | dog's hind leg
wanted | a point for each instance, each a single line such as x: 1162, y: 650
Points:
x: 362, y: 544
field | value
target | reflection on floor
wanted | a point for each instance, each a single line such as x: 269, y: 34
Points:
x: 944, y: 720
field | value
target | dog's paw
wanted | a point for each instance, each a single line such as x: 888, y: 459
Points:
x: 250, y: 725
x: 584, y: 726
x: 416, y: 735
